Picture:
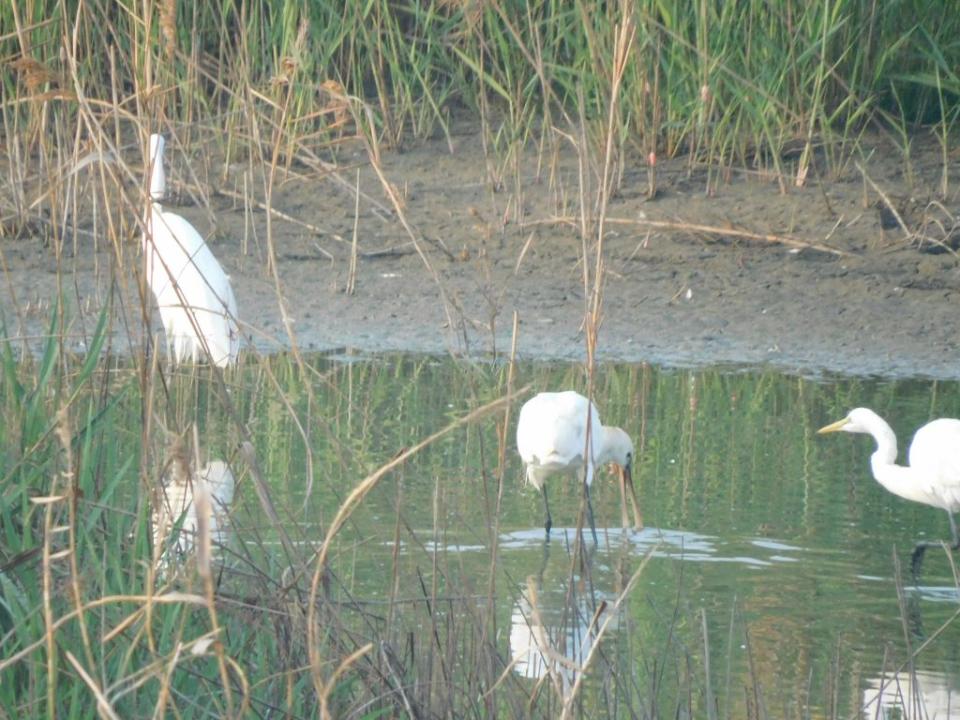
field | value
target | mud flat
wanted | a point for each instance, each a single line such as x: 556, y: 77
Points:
x: 806, y: 280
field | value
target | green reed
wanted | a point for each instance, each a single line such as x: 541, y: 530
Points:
x: 729, y: 85
x: 78, y: 474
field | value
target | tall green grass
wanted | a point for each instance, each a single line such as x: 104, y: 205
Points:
x: 725, y: 83
x: 405, y: 621
x: 283, y: 85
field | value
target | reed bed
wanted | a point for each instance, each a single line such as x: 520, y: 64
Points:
x: 385, y: 589
x: 787, y: 90
x: 332, y: 464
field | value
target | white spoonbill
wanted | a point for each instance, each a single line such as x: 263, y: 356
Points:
x: 194, y: 297
x: 933, y: 474
x: 552, y: 438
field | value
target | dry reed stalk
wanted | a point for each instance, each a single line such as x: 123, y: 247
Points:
x: 168, y: 27
x: 325, y: 169
x: 436, y: 647
x: 654, y: 129
x: 543, y: 643
x: 276, y: 143
x: 347, y: 508
x: 709, y: 699
x: 705, y: 229
x: 63, y: 490
x: 167, y: 598
x: 64, y: 434
x: 754, y: 691
x: 103, y: 705
x: 204, y: 513
x: 910, y: 234
x: 624, y: 36
x: 352, y: 272
x: 250, y: 202
x: 373, y: 154
x: 913, y: 653
x: 263, y: 494
x: 249, y: 453
x: 395, y: 559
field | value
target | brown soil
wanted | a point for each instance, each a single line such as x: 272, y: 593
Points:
x: 677, y: 296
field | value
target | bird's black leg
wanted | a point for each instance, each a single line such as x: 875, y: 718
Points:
x: 916, y: 559
x: 544, y: 561
x: 593, y: 527
x: 548, y: 523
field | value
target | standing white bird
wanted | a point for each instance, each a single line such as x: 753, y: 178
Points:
x: 552, y: 439
x: 933, y: 474
x: 194, y: 297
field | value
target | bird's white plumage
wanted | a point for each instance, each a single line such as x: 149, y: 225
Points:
x: 933, y: 474
x: 552, y: 433
x: 194, y: 296
x: 935, y: 456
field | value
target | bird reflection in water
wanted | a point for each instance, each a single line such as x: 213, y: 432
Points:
x: 559, y: 652
x: 556, y: 631
x: 921, y: 695
x: 189, y: 519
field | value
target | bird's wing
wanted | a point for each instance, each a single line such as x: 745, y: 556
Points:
x: 552, y: 426
x: 935, y: 453
x: 184, y: 273
x: 174, y: 242
x: 527, y: 430
x: 223, y: 304
x: 218, y: 280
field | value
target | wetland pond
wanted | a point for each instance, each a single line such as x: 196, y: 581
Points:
x: 763, y: 585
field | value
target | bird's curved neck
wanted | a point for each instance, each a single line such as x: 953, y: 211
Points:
x: 886, y: 452
x: 154, y: 210
x: 896, y: 478
x: 605, y: 446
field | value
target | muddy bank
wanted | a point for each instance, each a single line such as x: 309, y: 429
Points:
x: 868, y: 302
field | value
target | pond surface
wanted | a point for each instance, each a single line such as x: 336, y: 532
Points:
x: 764, y: 583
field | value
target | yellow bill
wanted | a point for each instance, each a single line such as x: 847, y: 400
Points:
x: 833, y: 427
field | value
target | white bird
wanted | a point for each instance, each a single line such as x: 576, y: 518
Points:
x: 189, y: 507
x: 552, y: 438
x: 933, y: 474
x: 194, y: 297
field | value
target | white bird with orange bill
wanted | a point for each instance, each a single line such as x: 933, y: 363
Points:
x: 552, y: 437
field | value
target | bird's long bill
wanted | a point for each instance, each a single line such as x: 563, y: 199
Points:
x: 626, y: 480
x: 833, y: 427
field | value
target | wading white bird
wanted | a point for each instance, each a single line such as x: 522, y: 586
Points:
x: 933, y: 474
x: 552, y: 439
x: 194, y: 297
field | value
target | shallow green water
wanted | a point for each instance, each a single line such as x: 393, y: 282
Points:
x: 764, y: 580
x: 775, y: 540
